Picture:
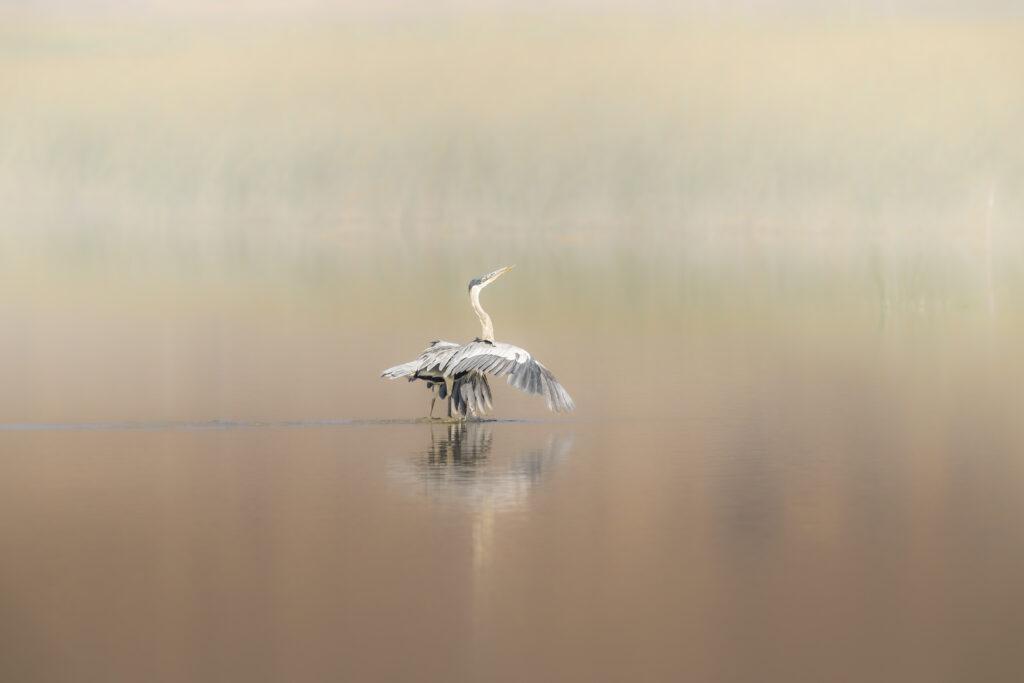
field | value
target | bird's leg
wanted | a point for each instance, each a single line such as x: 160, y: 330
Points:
x: 449, y: 385
x: 433, y: 390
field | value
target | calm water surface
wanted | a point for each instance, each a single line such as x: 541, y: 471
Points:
x: 762, y: 543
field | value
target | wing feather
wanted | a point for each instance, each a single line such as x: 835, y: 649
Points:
x: 524, y: 372
x: 471, y: 394
x: 469, y: 366
x: 429, y: 362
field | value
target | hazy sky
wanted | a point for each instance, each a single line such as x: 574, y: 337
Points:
x: 856, y: 8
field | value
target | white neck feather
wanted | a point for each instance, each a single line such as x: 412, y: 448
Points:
x: 485, y: 320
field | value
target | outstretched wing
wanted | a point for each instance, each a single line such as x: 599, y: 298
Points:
x: 430, y: 361
x: 524, y: 371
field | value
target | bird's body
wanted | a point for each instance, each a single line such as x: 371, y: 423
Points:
x: 469, y: 390
x: 459, y: 373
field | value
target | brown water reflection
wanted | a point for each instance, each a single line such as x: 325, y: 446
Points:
x: 460, y: 468
x: 768, y: 544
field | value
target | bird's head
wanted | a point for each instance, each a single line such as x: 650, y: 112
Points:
x: 485, y: 280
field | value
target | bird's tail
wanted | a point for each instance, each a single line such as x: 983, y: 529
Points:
x: 403, y: 370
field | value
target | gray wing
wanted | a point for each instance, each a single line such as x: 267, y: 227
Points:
x: 471, y: 394
x: 429, y: 362
x: 524, y: 371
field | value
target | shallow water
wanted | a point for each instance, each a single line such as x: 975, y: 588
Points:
x: 743, y: 546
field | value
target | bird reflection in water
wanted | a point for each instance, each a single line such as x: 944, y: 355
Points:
x: 461, y: 464
x: 464, y: 468
x: 460, y: 446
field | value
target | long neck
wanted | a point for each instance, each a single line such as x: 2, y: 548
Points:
x: 485, y: 320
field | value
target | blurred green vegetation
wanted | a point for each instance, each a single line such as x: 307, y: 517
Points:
x: 640, y: 172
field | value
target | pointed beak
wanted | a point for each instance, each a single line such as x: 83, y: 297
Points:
x: 494, y: 276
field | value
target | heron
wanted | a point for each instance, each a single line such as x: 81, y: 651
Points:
x: 459, y: 373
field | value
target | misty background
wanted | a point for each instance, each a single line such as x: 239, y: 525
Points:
x: 205, y: 204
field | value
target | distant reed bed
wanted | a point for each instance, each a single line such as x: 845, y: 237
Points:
x: 649, y: 169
